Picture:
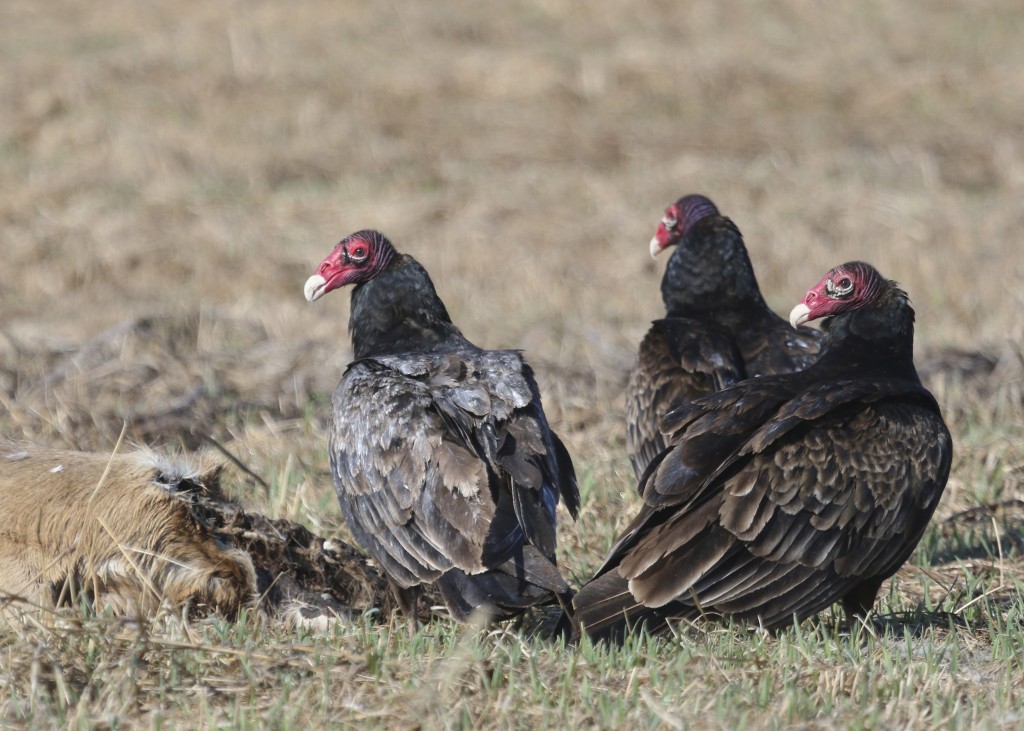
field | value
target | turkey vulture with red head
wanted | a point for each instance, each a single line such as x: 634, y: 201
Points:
x: 781, y: 495
x: 444, y: 464
x: 717, y: 329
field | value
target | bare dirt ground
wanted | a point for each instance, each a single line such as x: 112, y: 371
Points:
x: 170, y: 173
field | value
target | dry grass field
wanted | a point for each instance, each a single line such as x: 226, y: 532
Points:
x: 170, y: 174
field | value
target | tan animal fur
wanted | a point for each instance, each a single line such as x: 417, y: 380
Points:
x: 117, y: 529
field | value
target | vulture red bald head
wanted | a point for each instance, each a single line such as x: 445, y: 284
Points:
x: 678, y: 218
x: 845, y: 288
x: 357, y: 258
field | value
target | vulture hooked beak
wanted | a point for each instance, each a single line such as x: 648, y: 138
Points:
x: 656, y: 246
x: 664, y: 237
x: 315, y: 288
x: 797, y: 316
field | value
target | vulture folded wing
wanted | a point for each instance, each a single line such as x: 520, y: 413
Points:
x: 446, y: 460
x: 706, y: 433
x: 680, y: 360
x: 529, y: 463
x: 413, y: 490
x: 793, y: 524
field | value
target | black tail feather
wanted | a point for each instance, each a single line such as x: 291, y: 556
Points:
x: 607, y: 611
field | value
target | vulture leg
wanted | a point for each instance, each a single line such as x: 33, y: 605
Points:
x: 859, y: 600
x: 408, y: 600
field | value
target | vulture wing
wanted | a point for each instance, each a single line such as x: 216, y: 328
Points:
x: 680, y: 360
x: 445, y: 461
x: 811, y: 498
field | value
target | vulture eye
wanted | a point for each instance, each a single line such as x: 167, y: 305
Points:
x: 838, y: 289
x: 669, y: 223
x: 358, y: 253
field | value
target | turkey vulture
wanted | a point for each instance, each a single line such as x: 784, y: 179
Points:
x: 781, y: 495
x: 717, y: 330
x: 445, y: 467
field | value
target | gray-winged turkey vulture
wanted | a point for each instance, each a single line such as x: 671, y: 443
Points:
x: 783, y: 494
x: 717, y: 329
x: 444, y: 464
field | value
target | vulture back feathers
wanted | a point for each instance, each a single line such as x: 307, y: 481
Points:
x: 717, y: 330
x: 781, y: 495
x: 444, y: 464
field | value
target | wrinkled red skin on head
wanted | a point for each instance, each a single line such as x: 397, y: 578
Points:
x: 344, y: 265
x: 666, y: 237
x: 822, y: 304
x: 335, y: 272
x: 686, y: 211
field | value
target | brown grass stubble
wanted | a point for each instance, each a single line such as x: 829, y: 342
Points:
x: 189, y: 165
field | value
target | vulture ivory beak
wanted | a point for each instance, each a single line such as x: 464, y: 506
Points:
x: 797, y: 316
x: 655, y: 247
x: 314, y: 288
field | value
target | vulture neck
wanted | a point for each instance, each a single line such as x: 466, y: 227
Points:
x: 398, y: 311
x: 709, y: 274
x: 877, y: 339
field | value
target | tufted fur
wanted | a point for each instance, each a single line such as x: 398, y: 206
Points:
x: 113, y: 530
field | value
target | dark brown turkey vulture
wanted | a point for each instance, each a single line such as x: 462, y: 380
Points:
x: 781, y: 495
x: 717, y: 330
x: 445, y: 467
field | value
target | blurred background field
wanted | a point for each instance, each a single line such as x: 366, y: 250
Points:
x: 170, y: 173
